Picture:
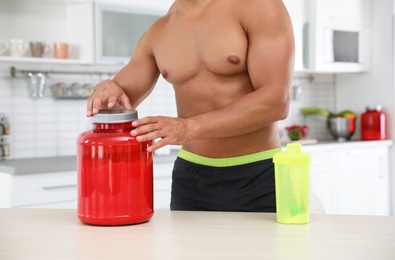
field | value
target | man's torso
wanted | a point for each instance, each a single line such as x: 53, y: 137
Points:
x: 204, y: 56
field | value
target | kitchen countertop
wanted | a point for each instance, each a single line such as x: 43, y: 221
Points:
x: 58, y: 234
x: 68, y: 163
x: 58, y: 164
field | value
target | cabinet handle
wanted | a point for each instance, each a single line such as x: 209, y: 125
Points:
x: 60, y: 187
x: 382, y: 168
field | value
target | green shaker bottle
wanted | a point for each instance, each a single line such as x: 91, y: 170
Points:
x: 292, y: 179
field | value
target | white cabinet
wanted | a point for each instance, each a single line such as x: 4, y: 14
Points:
x: 59, y: 189
x: 338, y: 36
x: 331, y: 36
x: 41, y: 190
x: 118, y: 29
x: 363, y: 177
x: 340, y: 11
x: 49, y: 22
x: 322, y: 181
x: 162, y: 185
x: 98, y: 31
x: 352, y: 180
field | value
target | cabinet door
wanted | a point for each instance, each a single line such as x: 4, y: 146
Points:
x: 118, y: 29
x: 363, y: 182
x: 55, y: 189
x: 49, y: 22
x: 162, y: 185
x: 351, y: 11
x: 323, y: 178
x: 43, y: 188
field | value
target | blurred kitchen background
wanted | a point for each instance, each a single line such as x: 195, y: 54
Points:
x: 78, y: 43
x: 48, y: 125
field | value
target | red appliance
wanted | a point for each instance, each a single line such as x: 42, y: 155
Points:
x: 115, y: 172
x: 373, y: 124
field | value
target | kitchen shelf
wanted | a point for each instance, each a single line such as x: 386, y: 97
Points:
x: 33, y: 60
x: 14, y: 71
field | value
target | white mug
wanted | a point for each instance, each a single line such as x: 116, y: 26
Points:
x: 3, y: 46
x: 18, y: 47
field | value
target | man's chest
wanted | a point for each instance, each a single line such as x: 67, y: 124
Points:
x: 184, y: 51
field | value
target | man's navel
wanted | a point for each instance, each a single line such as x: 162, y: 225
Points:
x: 233, y: 59
x: 164, y: 73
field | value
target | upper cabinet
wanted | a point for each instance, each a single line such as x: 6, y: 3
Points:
x: 340, y: 12
x: 118, y: 29
x: 49, y: 22
x: 331, y: 36
x: 96, y: 31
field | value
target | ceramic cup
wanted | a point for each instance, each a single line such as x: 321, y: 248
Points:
x: 18, y: 47
x: 39, y: 49
x: 3, y: 46
x: 62, y: 50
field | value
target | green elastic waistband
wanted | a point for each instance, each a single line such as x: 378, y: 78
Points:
x: 231, y: 161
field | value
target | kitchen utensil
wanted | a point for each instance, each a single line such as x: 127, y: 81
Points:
x: 292, y: 180
x: 4, y: 126
x: 297, y: 91
x: 341, y: 128
x: 39, y: 49
x: 62, y: 50
x: 37, y: 84
x: 18, y: 47
x: 373, y: 124
x: 3, y: 46
x: 115, y: 172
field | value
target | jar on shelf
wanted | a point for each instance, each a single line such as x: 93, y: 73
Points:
x: 4, y: 147
x: 373, y: 124
x: 115, y: 172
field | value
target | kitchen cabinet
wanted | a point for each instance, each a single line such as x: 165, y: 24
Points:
x: 49, y: 22
x: 352, y: 180
x: 98, y: 31
x: 162, y: 185
x: 339, y: 11
x: 41, y: 190
x: 322, y: 181
x: 23, y: 187
x: 118, y: 29
x: 363, y: 178
x: 331, y: 36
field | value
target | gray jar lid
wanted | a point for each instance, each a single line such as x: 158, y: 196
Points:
x: 115, y: 115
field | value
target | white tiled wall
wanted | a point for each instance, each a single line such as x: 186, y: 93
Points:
x: 318, y: 91
x: 44, y: 127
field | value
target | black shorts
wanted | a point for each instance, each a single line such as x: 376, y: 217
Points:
x: 247, y: 187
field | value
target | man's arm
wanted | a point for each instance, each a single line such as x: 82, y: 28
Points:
x: 131, y: 85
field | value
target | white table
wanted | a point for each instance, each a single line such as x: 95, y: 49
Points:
x: 58, y: 234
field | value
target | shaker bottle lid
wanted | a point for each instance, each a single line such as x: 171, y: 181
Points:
x: 293, y: 154
x: 115, y: 115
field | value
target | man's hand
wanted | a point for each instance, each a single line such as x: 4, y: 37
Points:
x: 170, y: 130
x: 107, y: 94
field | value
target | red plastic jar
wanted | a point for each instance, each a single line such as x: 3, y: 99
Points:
x: 373, y: 124
x: 115, y: 172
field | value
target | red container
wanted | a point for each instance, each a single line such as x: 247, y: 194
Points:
x: 373, y: 124
x: 115, y: 172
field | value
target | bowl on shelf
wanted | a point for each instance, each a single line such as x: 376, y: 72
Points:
x: 341, y: 128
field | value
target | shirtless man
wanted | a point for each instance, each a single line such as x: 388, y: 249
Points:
x: 230, y: 63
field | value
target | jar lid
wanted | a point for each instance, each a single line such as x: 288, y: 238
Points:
x: 115, y: 115
x: 377, y: 107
